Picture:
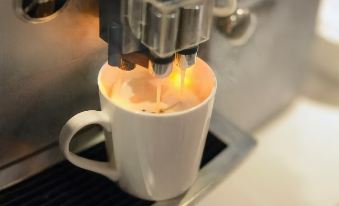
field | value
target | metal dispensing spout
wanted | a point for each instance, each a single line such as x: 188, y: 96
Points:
x: 161, y: 67
x: 187, y: 58
x: 151, y: 33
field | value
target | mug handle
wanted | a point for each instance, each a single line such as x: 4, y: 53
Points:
x: 75, y: 124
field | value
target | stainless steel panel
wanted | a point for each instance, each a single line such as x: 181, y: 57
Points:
x: 258, y: 79
x: 48, y: 73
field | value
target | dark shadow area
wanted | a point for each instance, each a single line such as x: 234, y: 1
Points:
x: 67, y: 185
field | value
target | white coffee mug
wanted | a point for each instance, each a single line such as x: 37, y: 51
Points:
x: 151, y: 156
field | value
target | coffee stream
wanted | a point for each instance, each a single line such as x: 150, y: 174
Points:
x: 182, y: 81
x: 159, y: 90
x: 140, y: 91
x: 158, y: 98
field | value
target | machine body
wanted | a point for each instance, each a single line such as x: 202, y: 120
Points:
x: 157, y: 30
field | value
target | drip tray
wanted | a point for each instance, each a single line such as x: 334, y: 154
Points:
x: 65, y: 184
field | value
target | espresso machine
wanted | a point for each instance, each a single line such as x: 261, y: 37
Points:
x: 51, y: 52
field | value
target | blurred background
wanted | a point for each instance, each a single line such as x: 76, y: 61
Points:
x: 297, y: 156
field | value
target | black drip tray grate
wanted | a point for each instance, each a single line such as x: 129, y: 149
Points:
x: 68, y: 185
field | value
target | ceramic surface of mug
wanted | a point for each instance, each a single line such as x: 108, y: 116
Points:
x: 153, y: 156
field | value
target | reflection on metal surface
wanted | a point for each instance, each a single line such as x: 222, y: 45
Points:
x: 238, y: 27
x: 48, y: 73
x: 235, y: 25
x: 38, y: 11
x: 187, y: 58
x: 224, y: 8
x: 162, y: 70
x: 161, y: 67
x: 260, y: 78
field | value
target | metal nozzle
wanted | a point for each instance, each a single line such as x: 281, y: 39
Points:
x: 186, y: 61
x: 187, y: 58
x: 161, y: 67
x: 162, y: 70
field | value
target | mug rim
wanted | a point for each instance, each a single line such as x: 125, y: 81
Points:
x: 159, y: 115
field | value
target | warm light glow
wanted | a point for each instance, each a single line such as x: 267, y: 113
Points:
x: 175, y: 77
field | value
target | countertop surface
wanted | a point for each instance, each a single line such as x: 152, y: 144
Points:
x: 296, y: 162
